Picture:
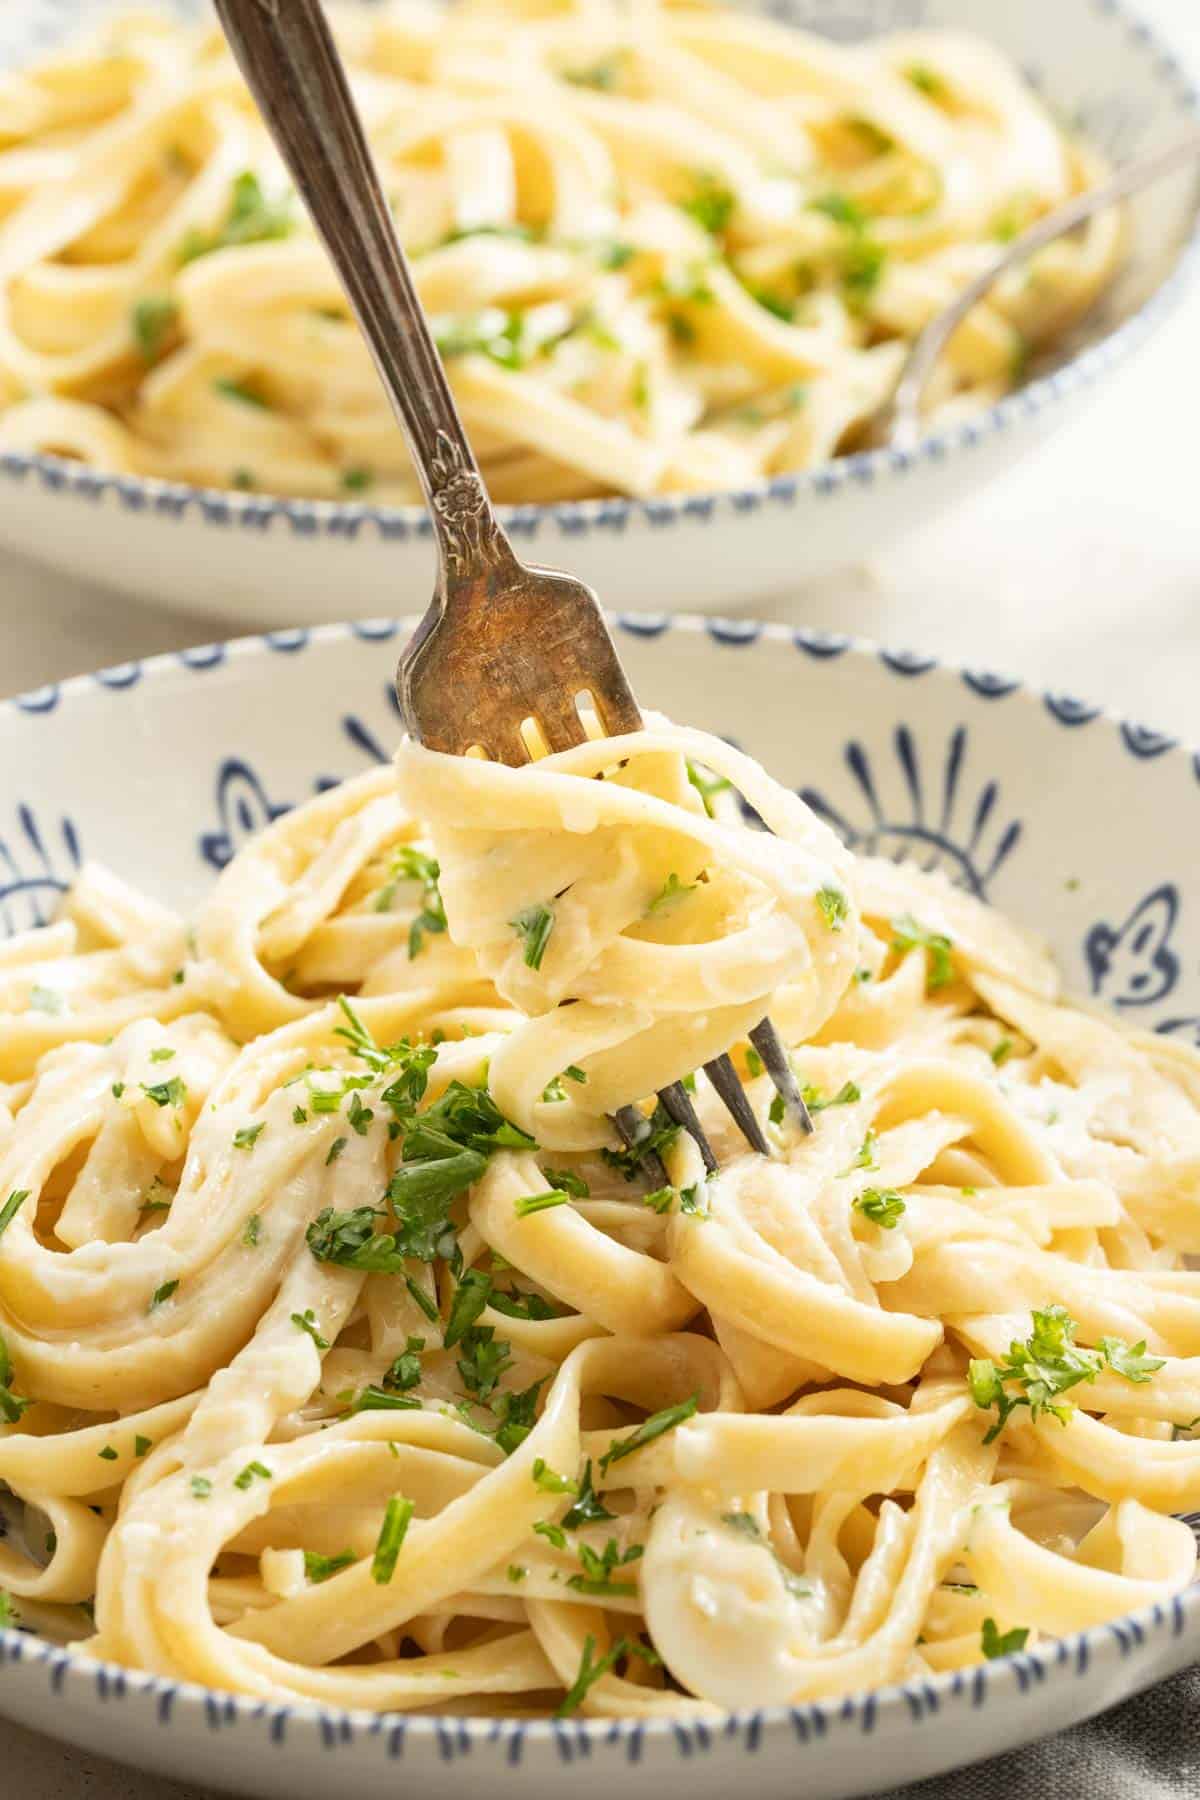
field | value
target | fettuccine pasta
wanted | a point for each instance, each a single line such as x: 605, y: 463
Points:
x: 664, y: 249
x: 348, y: 1353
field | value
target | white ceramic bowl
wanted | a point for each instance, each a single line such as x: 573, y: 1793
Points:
x: 164, y: 769
x: 288, y: 561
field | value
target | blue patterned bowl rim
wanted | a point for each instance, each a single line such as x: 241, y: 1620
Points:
x: 575, y: 519
x: 914, y: 1702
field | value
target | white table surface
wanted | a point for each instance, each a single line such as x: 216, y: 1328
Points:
x: 1079, y: 571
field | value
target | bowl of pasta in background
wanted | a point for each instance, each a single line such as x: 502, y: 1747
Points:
x: 203, y: 428
x: 166, y: 770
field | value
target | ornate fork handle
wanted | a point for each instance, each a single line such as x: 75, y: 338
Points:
x: 287, y: 55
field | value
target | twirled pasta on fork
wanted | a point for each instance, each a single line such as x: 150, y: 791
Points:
x: 349, y: 1354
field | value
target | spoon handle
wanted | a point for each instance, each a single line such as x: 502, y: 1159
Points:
x: 899, y: 421
x: 292, y: 66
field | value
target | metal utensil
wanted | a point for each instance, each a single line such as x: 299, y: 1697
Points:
x: 502, y: 643
x: 898, y: 422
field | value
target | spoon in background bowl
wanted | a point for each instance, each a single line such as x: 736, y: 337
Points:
x: 898, y: 424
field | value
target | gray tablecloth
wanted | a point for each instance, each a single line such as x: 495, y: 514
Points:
x: 1148, y: 1749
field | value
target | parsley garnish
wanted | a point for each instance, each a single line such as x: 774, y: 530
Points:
x: 378, y: 1399
x: 470, y: 1297
x: 163, y: 1055
x: 248, y: 1136
x: 10, y: 1618
x: 12, y: 1406
x: 245, y: 1479
x: 674, y: 891
x: 593, y: 1668
x: 549, y: 1481
x: 251, y: 219
x: 484, y: 1359
x: 108, y: 1454
x: 141, y: 1445
x: 162, y: 1294
x: 409, y: 864
x: 517, y: 1414
x: 391, y: 1537
x: 252, y: 1235
x: 661, y: 1200
x: 12, y: 1207
x: 166, y: 1093
x: 706, y: 784
x: 834, y: 907
x: 335, y: 1149
x: 307, y: 1322
x: 599, y: 1567
x: 567, y: 1182
x: 320, y: 1568
x: 241, y: 391
x: 536, y: 1203
x: 1047, y: 1364
x: 534, y: 925
x: 405, y: 1372
x: 712, y: 204
x: 201, y: 1487
x: 865, y: 1158
x: 1001, y: 1052
x: 588, y: 1509
x: 994, y: 1642
x: 909, y: 934
x: 648, y: 1430
x: 883, y: 1206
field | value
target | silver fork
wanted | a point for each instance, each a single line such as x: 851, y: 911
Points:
x: 502, y: 644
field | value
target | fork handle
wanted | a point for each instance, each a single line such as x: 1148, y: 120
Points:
x: 292, y: 66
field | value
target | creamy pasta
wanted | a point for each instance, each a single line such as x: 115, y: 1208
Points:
x: 348, y: 1354
x: 664, y: 249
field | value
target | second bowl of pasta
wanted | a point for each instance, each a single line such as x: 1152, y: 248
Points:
x: 673, y: 261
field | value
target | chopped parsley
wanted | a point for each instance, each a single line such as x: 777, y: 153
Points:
x: 320, y: 1568
x: 335, y: 1149
x: 410, y: 864
x: 711, y: 204
x: 248, y: 1136
x: 707, y: 785
x: 245, y: 1478
x: 1046, y: 1365
x: 883, y: 1206
x: 166, y: 1093
x: 746, y: 1525
x: 163, y: 1055
x: 162, y: 1294
x: 1001, y: 1052
x: 12, y: 1207
x: 470, y: 1297
x: 533, y: 925
x: 603, y: 75
x: 674, y: 891
x: 10, y: 1618
x: 661, y: 1200
x: 648, y: 1430
x: 150, y: 321
x: 694, y: 1200
x: 865, y: 1158
x: 12, y: 1406
x: 357, y: 479
x: 994, y: 1642
x: 833, y: 906
x: 378, y: 1399
x: 252, y: 1235
x: 587, y: 1509
x: 153, y: 1200
x: 252, y: 218
x: 241, y: 391
x: 549, y: 1481
x: 108, y: 1454
x: 485, y: 1357
x: 517, y: 1572
x: 600, y: 1566
x: 391, y: 1537
x: 909, y: 934
x: 536, y: 1203
x: 566, y: 1181
x: 593, y: 1668
x: 141, y: 1445
x: 405, y: 1372
x: 517, y: 1414
x: 201, y: 1487
x: 307, y: 1322
x: 927, y: 81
